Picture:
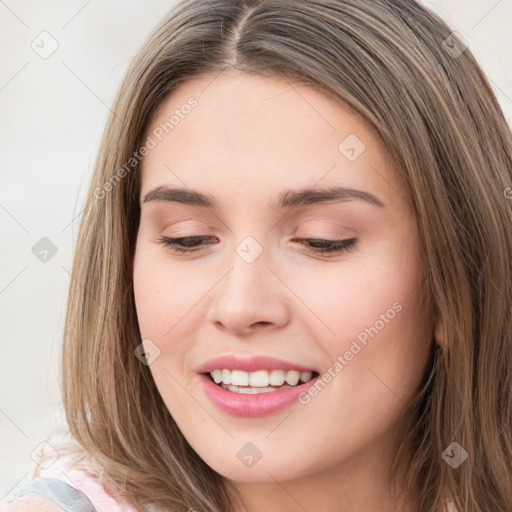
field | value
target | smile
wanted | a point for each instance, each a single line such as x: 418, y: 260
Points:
x: 249, y: 401
x: 262, y: 381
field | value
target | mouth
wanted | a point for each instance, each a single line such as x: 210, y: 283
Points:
x: 253, y: 395
x: 255, y: 386
x: 260, y: 381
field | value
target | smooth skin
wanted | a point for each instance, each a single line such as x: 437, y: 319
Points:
x: 248, y: 140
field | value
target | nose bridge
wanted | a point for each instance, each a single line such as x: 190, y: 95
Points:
x: 249, y: 292
x: 248, y: 269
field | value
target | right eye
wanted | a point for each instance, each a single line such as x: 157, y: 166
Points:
x: 179, y: 244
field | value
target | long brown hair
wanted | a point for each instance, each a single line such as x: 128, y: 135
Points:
x: 399, y: 66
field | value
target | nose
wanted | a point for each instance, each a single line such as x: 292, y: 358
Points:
x: 249, y: 297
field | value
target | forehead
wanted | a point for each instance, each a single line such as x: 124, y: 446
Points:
x: 243, y: 132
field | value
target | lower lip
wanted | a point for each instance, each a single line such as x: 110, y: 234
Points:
x: 261, y: 404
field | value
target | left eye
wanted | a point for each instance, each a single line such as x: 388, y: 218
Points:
x: 318, y: 245
x: 329, y: 246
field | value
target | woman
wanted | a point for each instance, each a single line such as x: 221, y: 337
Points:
x: 293, y: 278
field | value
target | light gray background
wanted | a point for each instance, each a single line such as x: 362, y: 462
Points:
x: 52, y: 113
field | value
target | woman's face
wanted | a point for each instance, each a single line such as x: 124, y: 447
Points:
x: 254, y: 286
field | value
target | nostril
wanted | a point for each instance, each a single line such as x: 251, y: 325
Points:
x: 261, y: 323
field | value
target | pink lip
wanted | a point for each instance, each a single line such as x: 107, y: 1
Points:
x: 253, y: 405
x: 250, y: 364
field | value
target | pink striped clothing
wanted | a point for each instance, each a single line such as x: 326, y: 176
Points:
x: 102, y: 497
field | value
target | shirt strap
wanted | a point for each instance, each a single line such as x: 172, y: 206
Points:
x: 65, y: 495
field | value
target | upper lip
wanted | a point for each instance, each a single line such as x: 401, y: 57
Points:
x: 250, y: 364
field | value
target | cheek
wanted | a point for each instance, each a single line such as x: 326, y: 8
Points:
x: 163, y: 294
x: 376, y: 322
x: 164, y: 299
x: 352, y: 300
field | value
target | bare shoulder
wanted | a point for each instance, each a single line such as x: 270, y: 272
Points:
x: 31, y: 502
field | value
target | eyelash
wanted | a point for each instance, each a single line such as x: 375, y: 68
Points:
x: 336, y: 246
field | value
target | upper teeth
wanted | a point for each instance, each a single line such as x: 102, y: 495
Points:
x: 260, y: 378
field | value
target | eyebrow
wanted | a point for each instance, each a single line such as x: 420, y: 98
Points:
x: 287, y: 199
